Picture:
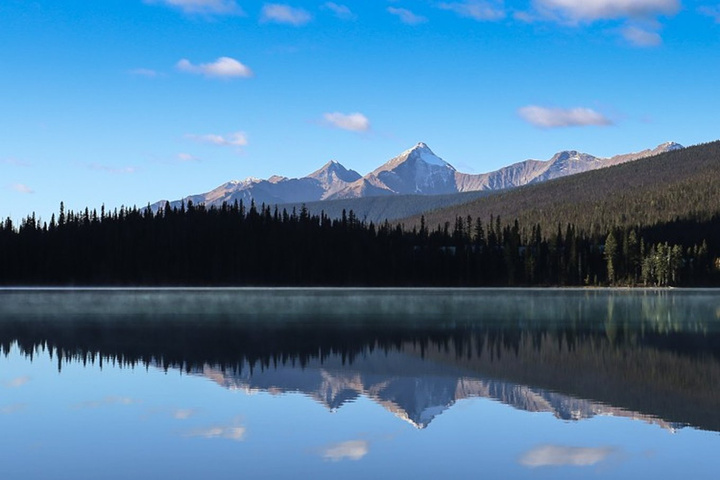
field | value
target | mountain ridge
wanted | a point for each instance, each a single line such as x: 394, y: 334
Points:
x: 416, y: 171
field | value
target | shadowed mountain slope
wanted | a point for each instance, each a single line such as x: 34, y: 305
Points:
x: 676, y: 184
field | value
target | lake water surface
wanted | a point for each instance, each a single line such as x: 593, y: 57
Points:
x: 359, y: 383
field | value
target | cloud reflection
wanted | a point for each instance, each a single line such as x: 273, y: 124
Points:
x: 556, y: 456
x: 183, y: 413
x: 17, y: 382
x: 236, y: 433
x: 111, y: 400
x: 350, y: 450
x: 14, y: 408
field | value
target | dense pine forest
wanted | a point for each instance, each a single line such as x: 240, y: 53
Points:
x: 235, y: 245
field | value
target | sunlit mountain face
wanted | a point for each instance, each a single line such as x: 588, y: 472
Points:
x: 652, y: 357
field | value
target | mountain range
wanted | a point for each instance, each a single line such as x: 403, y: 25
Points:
x: 416, y: 171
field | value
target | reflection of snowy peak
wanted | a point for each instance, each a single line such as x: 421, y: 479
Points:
x: 412, y: 388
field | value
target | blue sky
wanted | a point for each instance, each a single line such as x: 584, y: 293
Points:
x: 125, y: 102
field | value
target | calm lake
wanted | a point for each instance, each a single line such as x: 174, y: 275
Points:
x: 359, y: 383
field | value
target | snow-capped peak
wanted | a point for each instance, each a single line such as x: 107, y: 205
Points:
x: 670, y: 146
x: 247, y: 181
x: 423, y: 152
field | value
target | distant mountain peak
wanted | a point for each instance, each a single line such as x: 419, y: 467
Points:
x: 333, y: 168
x: 670, y: 146
x: 419, y: 152
x: 277, y: 179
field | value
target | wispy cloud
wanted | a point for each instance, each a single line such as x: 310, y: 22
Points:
x: 640, y: 37
x: 406, y: 16
x: 17, y: 382
x: 553, y: 456
x: 237, y: 139
x: 15, y: 162
x: 107, y: 401
x: 202, y: 7
x: 544, y: 117
x: 112, y: 169
x: 187, y: 157
x: 711, y: 11
x: 14, y: 408
x: 143, y: 72
x: 233, y: 432
x: 281, y: 13
x: 593, y: 10
x: 21, y: 188
x: 223, y: 67
x: 354, y: 122
x: 476, y: 9
x: 350, y: 450
x: 341, y: 11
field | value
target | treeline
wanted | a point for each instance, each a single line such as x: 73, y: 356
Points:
x: 235, y: 245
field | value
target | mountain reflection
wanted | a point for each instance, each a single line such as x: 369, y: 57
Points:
x: 654, y: 357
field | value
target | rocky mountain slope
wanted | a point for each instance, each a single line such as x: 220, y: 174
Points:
x: 416, y: 171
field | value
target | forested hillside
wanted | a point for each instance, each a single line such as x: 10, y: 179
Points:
x: 386, y: 207
x: 681, y: 184
x: 233, y: 246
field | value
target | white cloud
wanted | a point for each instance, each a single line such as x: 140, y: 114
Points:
x: 406, y: 16
x: 592, y: 10
x: 19, y: 381
x: 476, y: 9
x: 15, y: 162
x: 640, y: 37
x: 279, y: 13
x: 340, y: 11
x: 22, y: 188
x: 237, y: 139
x: 187, y: 157
x: 552, y: 455
x: 203, y: 7
x: 712, y: 12
x: 544, y: 117
x: 236, y: 433
x: 223, y: 67
x: 354, y: 122
x: 144, y: 72
x: 350, y: 450
x: 112, y: 169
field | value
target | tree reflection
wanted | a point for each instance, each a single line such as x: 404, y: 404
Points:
x: 659, y: 369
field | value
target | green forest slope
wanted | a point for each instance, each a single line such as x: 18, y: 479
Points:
x: 683, y: 184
